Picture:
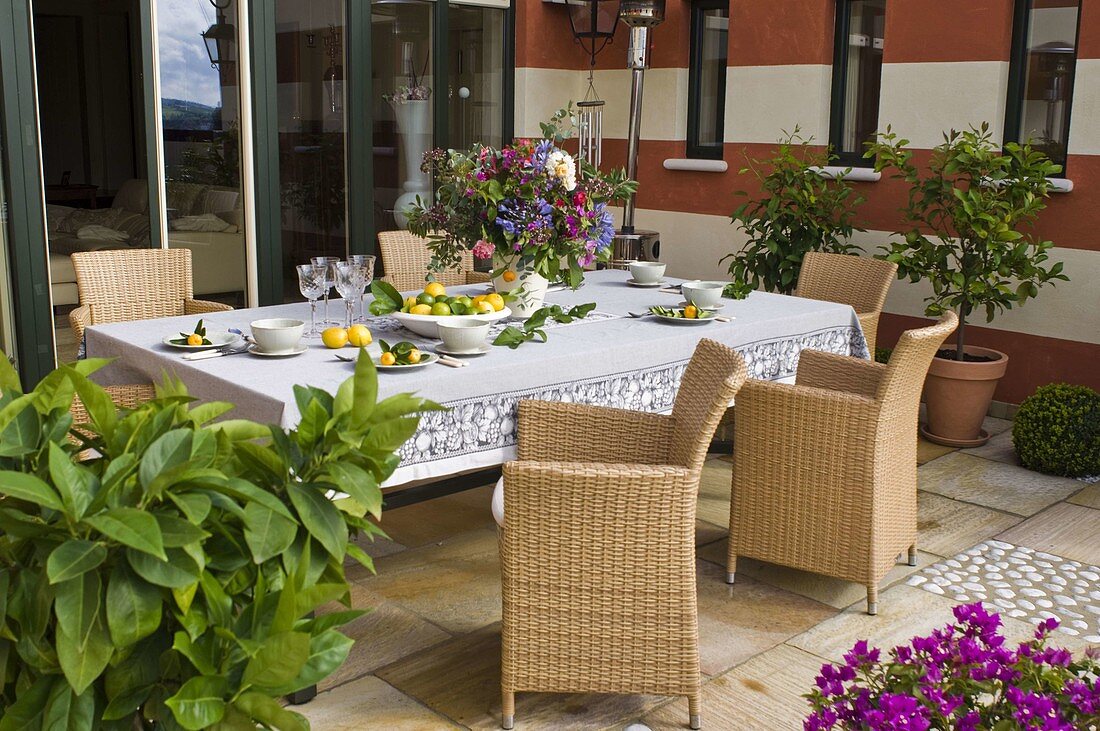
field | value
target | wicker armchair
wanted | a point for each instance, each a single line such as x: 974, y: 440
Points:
x: 858, y: 281
x: 597, y: 544
x: 825, y: 470
x: 119, y: 285
x: 405, y: 259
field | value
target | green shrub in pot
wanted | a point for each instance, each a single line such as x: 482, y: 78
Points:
x: 1057, y: 431
x: 167, y: 581
x: 798, y: 210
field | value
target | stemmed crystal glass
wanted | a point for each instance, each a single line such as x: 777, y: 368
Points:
x: 365, y: 261
x: 350, y: 284
x: 329, y: 263
x: 311, y: 283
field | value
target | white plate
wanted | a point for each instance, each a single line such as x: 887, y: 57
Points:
x: 685, y: 320
x: 485, y: 348
x: 425, y: 359
x: 633, y: 283
x: 217, y: 340
x: 255, y: 350
x: 718, y: 306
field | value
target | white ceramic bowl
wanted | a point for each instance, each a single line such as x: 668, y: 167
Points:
x: 703, y: 294
x: 463, y: 334
x: 277, y: 335
x: 647, y: 272
x: 426, y: 325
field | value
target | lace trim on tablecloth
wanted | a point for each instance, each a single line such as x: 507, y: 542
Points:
x: 489, y: 423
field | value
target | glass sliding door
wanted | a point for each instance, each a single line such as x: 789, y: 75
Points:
x: 7, y: 332
x: 309, y: 51
x: 475, y: 83
x: 200, y: 111
x: 404, y: 94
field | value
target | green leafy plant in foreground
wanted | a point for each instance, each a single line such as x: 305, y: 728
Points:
x: 168, y: 580
x: 513, y: 337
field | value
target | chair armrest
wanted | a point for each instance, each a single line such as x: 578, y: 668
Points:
x: 566, y: 432
x: 477, y: 277
x: 819, y: 369
x: 868, y: 322
x: 79, y: 319
x: 198, y: 307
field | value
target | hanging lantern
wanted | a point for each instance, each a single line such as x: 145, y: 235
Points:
x: 593, y: 23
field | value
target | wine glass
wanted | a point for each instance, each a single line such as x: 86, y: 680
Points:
x: 366, y: 261
x: 329, y: 263
x: 311, y: 283
x: 350, y: 283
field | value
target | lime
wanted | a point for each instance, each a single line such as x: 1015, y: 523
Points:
x: 457, y: 308
x: 441, y: 309
x: 425, y: 299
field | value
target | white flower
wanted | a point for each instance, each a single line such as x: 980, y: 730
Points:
x: 560, y: 164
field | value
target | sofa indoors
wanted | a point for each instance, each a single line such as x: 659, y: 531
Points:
x: 205, y: 219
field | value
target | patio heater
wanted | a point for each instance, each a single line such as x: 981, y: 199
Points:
x: 641, y: 16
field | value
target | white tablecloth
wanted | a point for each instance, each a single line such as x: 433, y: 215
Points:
x: 608, y: 359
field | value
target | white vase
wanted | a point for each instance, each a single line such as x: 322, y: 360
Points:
x: 528, y: 288
x: 415, y: 134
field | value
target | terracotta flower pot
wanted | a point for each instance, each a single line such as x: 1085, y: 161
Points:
x: 957, y: 395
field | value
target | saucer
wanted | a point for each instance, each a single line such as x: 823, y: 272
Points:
x: 482, y: 350
x: 634, y: 283
x: 217, y: 340
x: 718, y: 306
x: 255, y: 350
x: 425, y: 359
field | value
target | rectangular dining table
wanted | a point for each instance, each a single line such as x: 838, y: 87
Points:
x: 610, y: 358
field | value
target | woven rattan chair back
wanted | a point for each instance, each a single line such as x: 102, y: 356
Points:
x: 405, y: 260
x: 133, y: 284
x: 909, y: 362
x: 711, y: 380
x: 859, y: 281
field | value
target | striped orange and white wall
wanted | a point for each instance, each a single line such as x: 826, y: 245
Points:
x: 945, y: 66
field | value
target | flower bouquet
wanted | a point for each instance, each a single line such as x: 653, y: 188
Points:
x: 964, y: 676
x: 526, y: 206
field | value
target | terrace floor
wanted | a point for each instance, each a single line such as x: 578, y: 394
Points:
x: 427, y: 655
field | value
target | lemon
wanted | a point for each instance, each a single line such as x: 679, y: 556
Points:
x: 508, y: 276
x: 435, y: 289
x: 478, y: 298
x: 483, y: 308
x: 359, y: 336
x: 420, y: 310
x: 194, y: 339
x: 496, y: 301
x: 411, y: 302
x: 334, y: 337
x: 441, y: 309
x: 690, y: 312
x: 414, y: 356
x: 387, y: 359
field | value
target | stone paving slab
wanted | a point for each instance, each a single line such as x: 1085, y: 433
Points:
x: 993, y: 484
x: 1066, y: 530
x: 370, y: 703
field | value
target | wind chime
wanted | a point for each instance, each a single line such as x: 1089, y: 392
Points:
x: 594, y: 23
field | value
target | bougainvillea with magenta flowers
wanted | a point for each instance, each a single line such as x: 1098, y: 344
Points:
x: 964, y: 676
x: 531, y: 203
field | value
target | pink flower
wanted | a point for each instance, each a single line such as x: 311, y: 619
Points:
x: 483, y: 249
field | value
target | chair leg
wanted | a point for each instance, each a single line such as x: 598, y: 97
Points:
x: 913, y: 555
x: 731, y: 568
x: 508, y: 710
x: 872, y: 600
x: 694, y: 720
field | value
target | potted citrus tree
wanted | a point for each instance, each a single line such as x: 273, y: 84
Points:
x: 964, y: 213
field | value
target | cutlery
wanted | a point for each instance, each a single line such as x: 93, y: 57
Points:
x: 724, y: 318
x: 451, y: 362
x: 674, y: 289
x: 345, y: 358
x: 219, y: 352
x: 639, y: 314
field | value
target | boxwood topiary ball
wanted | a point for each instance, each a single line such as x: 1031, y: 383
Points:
x: 1057, y: 431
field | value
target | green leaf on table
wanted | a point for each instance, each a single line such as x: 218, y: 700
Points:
x: 130, y: 527
x: 73, y: 558
x: 386, y: 298
x: 320, y: 517
x: 133, y: 607
x: 200, y: 702
x: 267, y: 533
x: 278, y: 662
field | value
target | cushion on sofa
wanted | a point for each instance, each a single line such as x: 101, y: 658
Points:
x: 133, y: 196
x: 102, y: 233
x: 205, y: 222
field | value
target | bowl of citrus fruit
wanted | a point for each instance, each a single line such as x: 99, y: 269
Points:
x: 422, y: 312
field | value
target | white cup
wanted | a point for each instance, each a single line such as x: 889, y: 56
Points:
x: 462, y: 334
x: 703, y: 294
x: 647, y: 272
x: 277, y: 335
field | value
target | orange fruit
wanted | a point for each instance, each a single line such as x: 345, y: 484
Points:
x: 496, y: 301
x: 414, y: 356
x: 194, y: 339
x: 690, y: 312
x: 387, y: 359
x: 508, y: 276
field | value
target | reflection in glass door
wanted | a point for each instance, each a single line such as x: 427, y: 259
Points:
x: 401, y: 48
x: 475, y: 83
x: 7, y: 338
x: 200, y: 109
x: 309, y: 49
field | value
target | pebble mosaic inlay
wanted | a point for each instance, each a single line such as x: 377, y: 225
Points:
x: 1023, y: 583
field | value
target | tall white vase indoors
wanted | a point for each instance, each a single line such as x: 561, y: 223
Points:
x: 415, y: 135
